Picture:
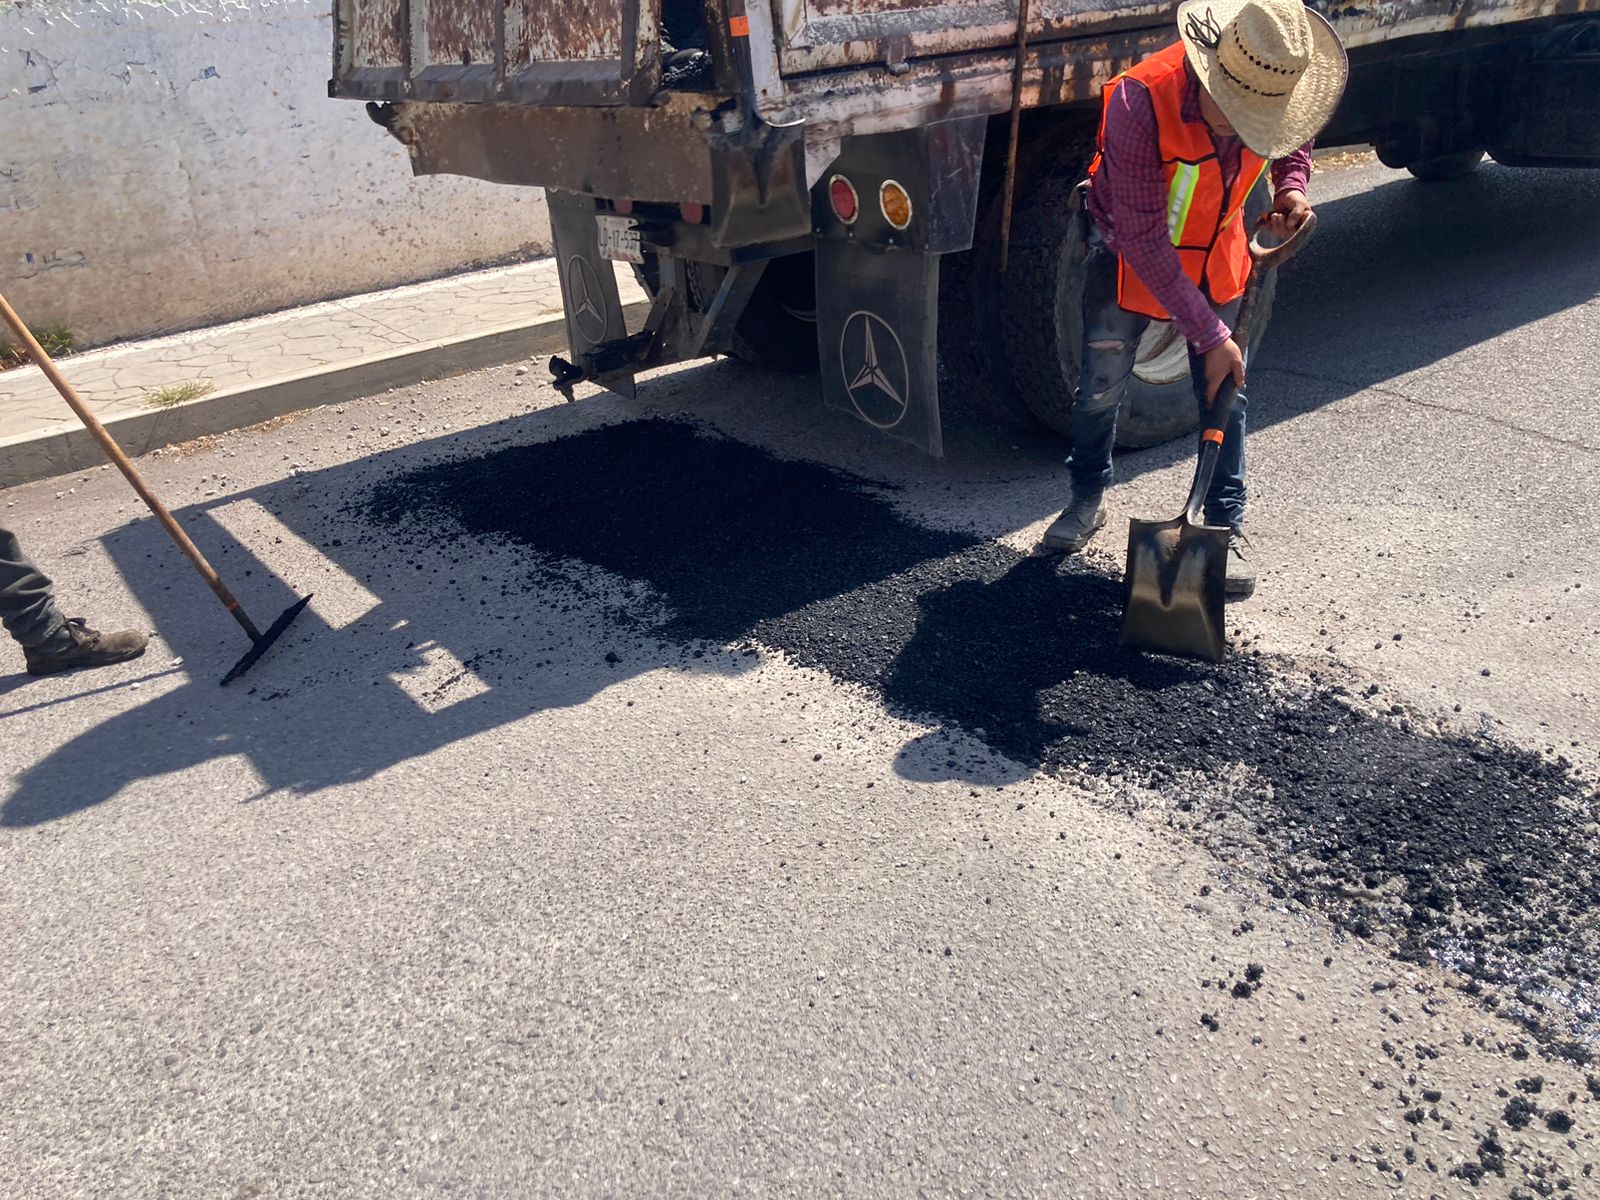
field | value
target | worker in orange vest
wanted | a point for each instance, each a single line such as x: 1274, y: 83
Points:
x: 1184, y: 137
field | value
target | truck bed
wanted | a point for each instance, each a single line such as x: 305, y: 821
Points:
x: 852, y: 66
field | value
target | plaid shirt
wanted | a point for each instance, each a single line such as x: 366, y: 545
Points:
x: 1128, y: 202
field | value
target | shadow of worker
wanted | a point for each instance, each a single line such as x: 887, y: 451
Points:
x: 1033, y: 659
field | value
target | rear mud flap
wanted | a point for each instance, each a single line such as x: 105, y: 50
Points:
x: 588, y: 283
x: 877, y: 325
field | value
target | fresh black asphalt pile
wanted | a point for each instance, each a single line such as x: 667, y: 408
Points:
x: 1464, y: 849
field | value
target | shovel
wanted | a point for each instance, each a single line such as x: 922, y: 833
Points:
x: 1174, y: 585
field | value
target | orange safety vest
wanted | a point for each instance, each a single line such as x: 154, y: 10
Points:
x: 1202, y: 214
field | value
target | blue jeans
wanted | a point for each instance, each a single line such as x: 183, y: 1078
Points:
x: 26, y: 607
x: 1110, y: 342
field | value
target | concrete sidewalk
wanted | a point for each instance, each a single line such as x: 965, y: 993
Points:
x: 164, y: 390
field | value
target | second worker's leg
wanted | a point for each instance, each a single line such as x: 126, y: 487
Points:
x: 1110, y: 343
x: 51, y: 642
x: 27, y: 609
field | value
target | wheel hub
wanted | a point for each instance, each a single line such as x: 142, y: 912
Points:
x: 1163, y: 355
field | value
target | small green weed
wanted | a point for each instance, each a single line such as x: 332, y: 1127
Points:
x: 178, y: 393
x: 56, y: 340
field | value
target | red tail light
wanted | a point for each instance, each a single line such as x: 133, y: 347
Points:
x: 842, y: 195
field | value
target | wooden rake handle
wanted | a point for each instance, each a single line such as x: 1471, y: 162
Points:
x: 123, y: 464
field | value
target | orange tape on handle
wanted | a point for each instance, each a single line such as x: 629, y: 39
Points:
x: 739, y: 26
x: 1211, y: 435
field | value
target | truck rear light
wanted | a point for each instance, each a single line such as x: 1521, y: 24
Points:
x: 842, y: 195
x: 895, y: 203
x: 693, y: 214
x: 623, y: 206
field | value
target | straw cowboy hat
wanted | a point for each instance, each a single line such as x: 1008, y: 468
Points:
x: 1275, y: 68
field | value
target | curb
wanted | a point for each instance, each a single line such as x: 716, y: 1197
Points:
x: 32, y: 456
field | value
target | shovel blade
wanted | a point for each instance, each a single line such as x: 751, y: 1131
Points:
x: 1173, y: 590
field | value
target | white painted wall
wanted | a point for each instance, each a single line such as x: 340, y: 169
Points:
x: 166, y: 165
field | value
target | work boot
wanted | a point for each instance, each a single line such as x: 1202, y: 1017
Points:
x: 1241, y: 577
x: 1078, y: 522
x: 85, y: 647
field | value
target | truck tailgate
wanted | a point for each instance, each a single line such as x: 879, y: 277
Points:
x: 560, y: 52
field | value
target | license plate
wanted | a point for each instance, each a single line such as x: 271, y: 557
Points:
x: 619, y: 240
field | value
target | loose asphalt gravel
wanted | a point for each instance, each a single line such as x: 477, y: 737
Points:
x: 697, y: 796
x: 1440, y: 846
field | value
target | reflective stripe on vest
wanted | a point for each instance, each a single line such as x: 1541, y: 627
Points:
x: 1180, y: 199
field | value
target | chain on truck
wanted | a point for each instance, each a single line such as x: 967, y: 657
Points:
x: 815, y: 185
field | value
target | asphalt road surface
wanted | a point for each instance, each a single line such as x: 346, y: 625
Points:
x: 701, y: 796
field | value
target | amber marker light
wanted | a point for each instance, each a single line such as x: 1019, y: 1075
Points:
x: 896, y: 204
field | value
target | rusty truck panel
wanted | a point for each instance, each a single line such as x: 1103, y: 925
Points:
x: 458, y: 34
x: 841, y: 66
x: 377, y: 36
x: 591, y: 151
x: 577, y: 31
x: 817, y: 35
x: 869, y: 66
x: 539, y: 52
x: 582, y: 75
x: 1366, y: 22
x: 827, y: 35
x: 821, y: 35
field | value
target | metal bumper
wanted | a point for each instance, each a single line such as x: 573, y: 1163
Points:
x: 654, y: 155
x: 751, y: 175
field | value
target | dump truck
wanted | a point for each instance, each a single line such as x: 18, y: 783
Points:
x: 821, y: 185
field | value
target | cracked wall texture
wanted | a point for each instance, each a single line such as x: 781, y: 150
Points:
x: 167, y: 166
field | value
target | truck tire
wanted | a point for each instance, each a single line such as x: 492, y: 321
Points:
x: 778, y: 330
x: 1447, y: 166
x: 972, y: 347
x: 1160, y: 405
x: 1042, y: 307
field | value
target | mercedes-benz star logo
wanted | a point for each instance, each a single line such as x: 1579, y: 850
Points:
x: 875, y: 370
x: 583, y: 292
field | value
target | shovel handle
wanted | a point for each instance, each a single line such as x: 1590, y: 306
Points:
x: 1210, y: 449
x: 1262, y: 259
